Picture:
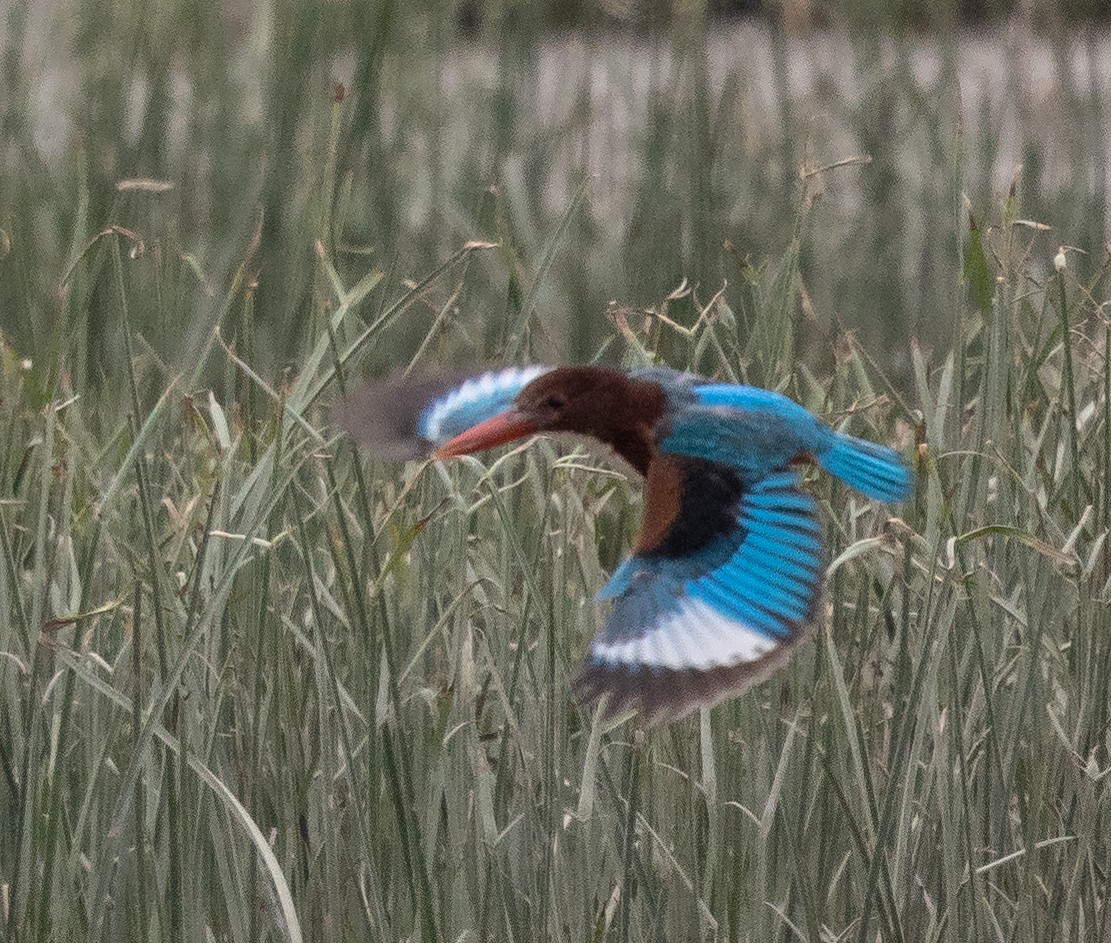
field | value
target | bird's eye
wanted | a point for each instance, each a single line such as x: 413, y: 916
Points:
x: 555, y: 401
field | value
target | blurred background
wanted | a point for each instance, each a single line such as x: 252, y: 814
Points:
x: 672, y: 146
x: 250, y: 681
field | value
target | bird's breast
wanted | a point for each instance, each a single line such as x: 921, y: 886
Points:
x: 662, y: 502
x: 688, y: 504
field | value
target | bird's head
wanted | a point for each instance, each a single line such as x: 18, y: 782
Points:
x: 593, y: 401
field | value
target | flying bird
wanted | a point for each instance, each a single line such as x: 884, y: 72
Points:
x: 725, y: 574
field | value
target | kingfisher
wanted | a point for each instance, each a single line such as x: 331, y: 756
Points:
x: 725, y: 574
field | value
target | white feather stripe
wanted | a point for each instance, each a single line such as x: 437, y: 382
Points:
x: 614, y: 653
x: 693, y: 636
x: 669, y: 651
x: 730, y: 642
x: 480, y: 397
x: 630, y: 652
x: 711, y: 634
x: 685, y: 629
x: 651, y: 648
x: 716, y: 635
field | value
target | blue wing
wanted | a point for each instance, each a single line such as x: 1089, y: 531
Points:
x: 691, y: 627
x: 401, y: 417
x: 758, y: 431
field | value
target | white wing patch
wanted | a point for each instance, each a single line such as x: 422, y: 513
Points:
x: 694, y: 635
x: 474, y: 400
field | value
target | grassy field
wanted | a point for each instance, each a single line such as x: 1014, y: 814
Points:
x: 254, y: 686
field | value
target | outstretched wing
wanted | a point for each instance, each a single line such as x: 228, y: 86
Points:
x: 724, y: 579
x: 403, y: 417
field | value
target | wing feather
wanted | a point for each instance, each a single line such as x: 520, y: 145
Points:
x: 689, y: 629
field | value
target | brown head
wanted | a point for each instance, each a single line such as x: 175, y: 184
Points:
x: 596, y: 401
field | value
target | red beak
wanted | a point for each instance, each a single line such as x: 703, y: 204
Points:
x: 504, y: 427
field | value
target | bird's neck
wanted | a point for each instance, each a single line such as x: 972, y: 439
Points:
x: 635, y: 446
x: 628, y: 422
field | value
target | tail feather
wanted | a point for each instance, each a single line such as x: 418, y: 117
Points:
x: 874, y: 470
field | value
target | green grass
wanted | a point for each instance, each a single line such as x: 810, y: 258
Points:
x: 255, y: 686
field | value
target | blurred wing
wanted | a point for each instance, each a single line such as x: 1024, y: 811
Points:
x: 401, y: 417
x: 724, y: 579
